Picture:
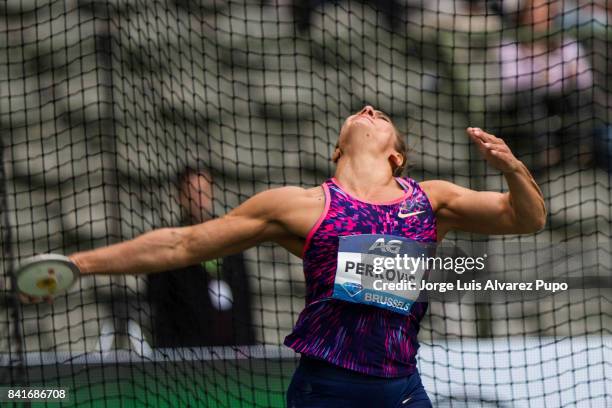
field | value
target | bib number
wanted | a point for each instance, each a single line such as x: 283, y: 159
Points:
x: 380, y: 270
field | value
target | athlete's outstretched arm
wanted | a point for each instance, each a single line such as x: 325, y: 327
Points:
x: 520, y: 210
x: 253, y: 222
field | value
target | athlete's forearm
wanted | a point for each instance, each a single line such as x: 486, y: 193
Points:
x: 171, y: 248
x: 526, y: 198
x: 155, y: 251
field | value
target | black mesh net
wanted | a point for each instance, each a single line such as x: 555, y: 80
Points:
x: 118, y: 117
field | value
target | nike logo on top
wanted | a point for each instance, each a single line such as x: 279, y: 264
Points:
x: 410, y: 214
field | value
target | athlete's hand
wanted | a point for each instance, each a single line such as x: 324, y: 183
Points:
x: 41, y: 277
x: 27, y: 299
x: 494, y: 150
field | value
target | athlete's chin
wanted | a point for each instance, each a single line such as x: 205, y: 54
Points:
x: 359, y: 129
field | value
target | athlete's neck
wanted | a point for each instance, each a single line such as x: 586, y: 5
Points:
x: 367, y: 178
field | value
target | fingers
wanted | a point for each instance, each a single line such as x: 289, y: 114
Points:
x: 502, y: 148
x: 478, y: 134
x: 493, y: 149
x: 27, y: 299
x: 501, y: 152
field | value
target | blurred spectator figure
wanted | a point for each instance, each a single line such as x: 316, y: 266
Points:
x: 602, y: 139
x: 591, y: 20
x: 206, y: 304
x: 589, y: 14
x: 546, y: 73
x: 480, y: 7
x: 302, y: 11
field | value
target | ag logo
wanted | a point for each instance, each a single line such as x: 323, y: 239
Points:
x: 392, y: 246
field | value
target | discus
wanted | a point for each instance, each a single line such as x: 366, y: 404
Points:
x: 46, y: 275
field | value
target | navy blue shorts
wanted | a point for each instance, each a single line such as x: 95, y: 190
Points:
x: 317, y: 384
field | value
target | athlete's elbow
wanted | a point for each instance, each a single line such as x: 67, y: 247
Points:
x: 540, y: 223
x: 537, y: 220
x: 536, y: 226
x: 527, y: 219
x: 530, y: 224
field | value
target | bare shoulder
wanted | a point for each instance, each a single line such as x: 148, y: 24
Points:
x: 293, y: 193
x: 296, y: 209
x: 309, y: 191
x: 436, y: 186
x: 440, y: 192
x: 315, y: 192
x: 284, y: 200
x: 302, y: 197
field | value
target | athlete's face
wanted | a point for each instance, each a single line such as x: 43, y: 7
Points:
x: 368, y: 128
x: 371, y: 123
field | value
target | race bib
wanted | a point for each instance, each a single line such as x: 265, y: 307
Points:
x: 380, y: 270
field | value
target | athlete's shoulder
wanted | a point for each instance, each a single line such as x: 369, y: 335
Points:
x: 439, y: 192
x: 274, y: 201
x: 293, y: 192
x: 305, y: 197
x: 436, y: 185
x: 283, y: 198
x: 440, y: 187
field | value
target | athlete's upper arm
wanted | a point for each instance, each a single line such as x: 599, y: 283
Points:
x: 459, y: 208
x: 255, y: 221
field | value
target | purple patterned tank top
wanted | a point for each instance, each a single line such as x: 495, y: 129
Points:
x: 354, y: 336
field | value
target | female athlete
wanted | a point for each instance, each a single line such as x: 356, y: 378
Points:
x: 353, y: 354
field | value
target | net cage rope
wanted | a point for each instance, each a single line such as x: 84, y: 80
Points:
x: 105, y: 104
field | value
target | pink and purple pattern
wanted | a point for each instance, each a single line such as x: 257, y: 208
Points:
x: 358, y: 337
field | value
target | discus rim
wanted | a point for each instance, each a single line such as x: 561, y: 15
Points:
x: 46, y: 275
